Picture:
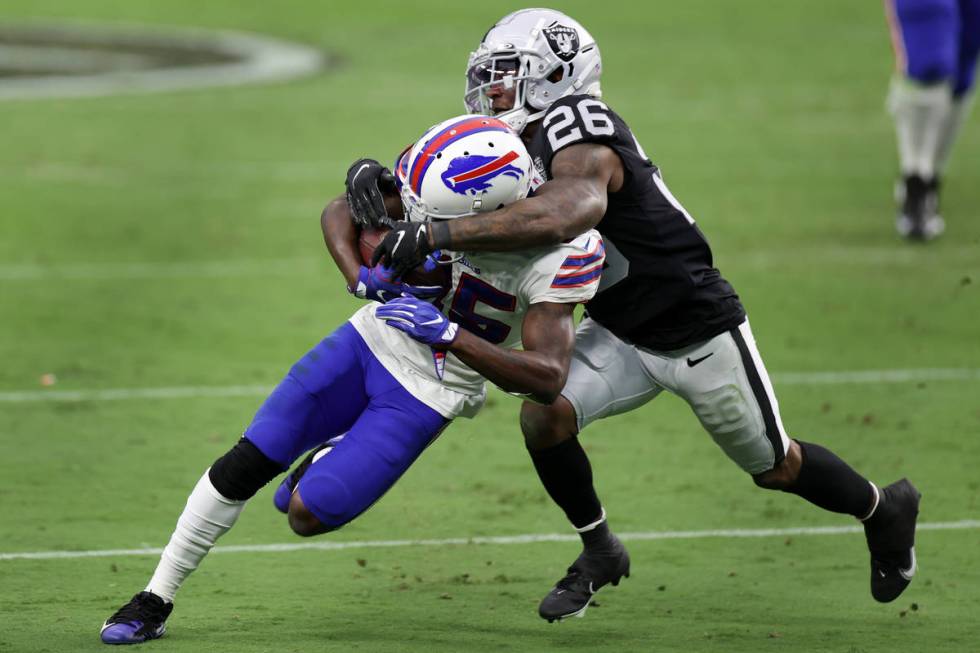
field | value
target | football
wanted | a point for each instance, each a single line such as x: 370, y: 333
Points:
x: 368, y: 240
x: 370, y: 237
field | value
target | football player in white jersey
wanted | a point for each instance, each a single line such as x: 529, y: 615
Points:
x: 369, y: 398
x: 663, y: 318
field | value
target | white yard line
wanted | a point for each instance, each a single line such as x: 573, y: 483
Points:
x: 252, y: 58
x: 966, y: 524
x: 878, y: 376
x: 195, y: 392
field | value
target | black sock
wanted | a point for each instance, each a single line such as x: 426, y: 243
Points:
x: 566, y: 474
x: 827, y: 481
x: 598, y: 538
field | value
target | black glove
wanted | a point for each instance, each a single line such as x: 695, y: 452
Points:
x: 403, y: 248
x: 366, y: 182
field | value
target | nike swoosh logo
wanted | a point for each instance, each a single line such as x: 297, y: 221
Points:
x: 432, y: 321
x: 692, y: 363
x: 359, y: 171
x: 908, y: 573
x: 401, y: 234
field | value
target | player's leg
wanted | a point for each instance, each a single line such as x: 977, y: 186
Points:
x: 963, y: 82
x: 924, y: 35
x: 284, y: 493
x: 731, y: 394
x: 359, y: 468
x: 320, y: 397
x: 604, y: 379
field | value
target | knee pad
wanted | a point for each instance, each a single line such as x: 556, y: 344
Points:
x: 243, y: 471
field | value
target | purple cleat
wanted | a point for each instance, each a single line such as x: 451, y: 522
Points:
x: 139, y: 620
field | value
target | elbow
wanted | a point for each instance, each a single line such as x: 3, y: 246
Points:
x: 559, y: 232
x: 552, y: 383
x: 337, y: 206
x: 545, y: 399
x: 556, y: 229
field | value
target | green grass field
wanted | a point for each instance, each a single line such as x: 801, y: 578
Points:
x: 172, y: 241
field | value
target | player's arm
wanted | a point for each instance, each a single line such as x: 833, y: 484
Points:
x: 340, y: 236
x: 540, y: 370
x: 572, y: 202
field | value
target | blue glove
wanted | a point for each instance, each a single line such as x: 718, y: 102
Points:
x: 379, y: 284
x: 420, y: 320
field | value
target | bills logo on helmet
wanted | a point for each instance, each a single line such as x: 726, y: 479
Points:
x: 472, y: 174
x: 563, y: 41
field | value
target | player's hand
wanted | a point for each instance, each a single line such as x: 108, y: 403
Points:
x: 379, y: 284
x: 420, y: 320
x: 404, y: 247
x: 367, y: 181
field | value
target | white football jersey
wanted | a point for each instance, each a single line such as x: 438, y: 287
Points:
x: 490, y: 293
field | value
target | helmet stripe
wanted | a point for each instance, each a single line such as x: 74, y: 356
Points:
x: 449, y: 135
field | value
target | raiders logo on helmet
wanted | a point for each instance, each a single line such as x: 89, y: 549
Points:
x: 563, y: 41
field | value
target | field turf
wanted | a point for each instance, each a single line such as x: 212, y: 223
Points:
x: 172, y: 241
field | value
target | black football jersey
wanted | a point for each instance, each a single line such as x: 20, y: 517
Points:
x: 659, y: 287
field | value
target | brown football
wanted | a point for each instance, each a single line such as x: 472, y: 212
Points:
x: 369, y: 239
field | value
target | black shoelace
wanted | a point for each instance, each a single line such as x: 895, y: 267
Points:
x: 140, y: 608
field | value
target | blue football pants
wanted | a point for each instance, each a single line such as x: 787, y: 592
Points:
x: 340, y: 387
x: 937, y: 40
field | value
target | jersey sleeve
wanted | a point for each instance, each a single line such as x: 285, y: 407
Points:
x: 568, y: 274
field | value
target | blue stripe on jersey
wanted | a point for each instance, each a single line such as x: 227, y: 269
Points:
x: 582, y: 260
x: 579, y: 279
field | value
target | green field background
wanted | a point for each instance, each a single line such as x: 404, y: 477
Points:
x: 179, y: 244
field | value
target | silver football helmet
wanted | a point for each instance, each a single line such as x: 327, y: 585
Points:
x: 541, y: 53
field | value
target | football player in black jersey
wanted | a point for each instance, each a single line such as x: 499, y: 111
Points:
x: 664, y: 317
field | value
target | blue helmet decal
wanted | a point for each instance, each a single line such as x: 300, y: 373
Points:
x: 472, y: 174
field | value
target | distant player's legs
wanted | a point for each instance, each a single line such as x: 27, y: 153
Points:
x: 730, y: 392
x: 550, y: 433
x: 963, y: 82
x: 925, y: 35
x: 321, y: 396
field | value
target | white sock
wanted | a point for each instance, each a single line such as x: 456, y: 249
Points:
x: 958, y: 112
x: 594, y: 525
x: 206, y: 517
x: 921, y: 113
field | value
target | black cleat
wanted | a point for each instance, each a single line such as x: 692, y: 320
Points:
x: 918, y: 216
x: 139, y: 620
x: 590, y: 571
x: 891, y: 539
